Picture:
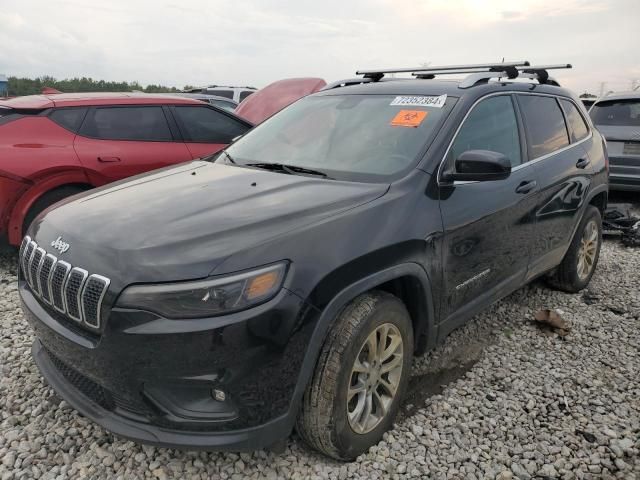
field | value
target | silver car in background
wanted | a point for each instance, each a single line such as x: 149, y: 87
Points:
x: 617, y: 117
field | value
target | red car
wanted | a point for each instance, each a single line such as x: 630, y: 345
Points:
x: 53, y: 146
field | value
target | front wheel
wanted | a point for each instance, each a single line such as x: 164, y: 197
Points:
x: 360, y: 378
x: 579, y: 263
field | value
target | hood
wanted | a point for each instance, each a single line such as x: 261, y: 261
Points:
x: 269, y: 100
x: 619, y: 132
x: 181, y: 222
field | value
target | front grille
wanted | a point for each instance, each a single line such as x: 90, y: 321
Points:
x: 85, y: 385
x: 70, y: 290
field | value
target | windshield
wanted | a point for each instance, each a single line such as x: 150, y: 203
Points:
x: 347, y: 137
x: 617, y: 112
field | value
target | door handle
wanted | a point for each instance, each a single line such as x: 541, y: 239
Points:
x: 582, y: 163
x: 526, y: 186
x: 108, y: 159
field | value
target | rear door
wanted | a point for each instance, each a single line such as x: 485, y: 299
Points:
x: 205, y: 129
x: 556, y: 139
x: 489, y: 226
x: 116, y: 142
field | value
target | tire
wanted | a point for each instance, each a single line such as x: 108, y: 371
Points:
x: 569, y: 277
x: 46, y: 200
x: 324, y: 422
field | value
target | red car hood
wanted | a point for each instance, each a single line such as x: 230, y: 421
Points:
x: 256, y: 108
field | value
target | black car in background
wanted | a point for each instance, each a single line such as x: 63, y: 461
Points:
x: 617, y: 117
x: 290, y: 280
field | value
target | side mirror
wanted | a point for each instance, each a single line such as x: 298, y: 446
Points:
x: 478, y: 166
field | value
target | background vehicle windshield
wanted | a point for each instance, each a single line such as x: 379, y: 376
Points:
x: 348, y: 137
x: 617, y: 112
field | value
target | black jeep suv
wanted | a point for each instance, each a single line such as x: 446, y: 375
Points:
x: 288, y: 281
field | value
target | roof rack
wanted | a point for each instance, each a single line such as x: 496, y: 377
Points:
x: 377, y: 74
x: 477, y: 73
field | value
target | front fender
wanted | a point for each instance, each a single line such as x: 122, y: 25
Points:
x: 38, y: 189
x: 328, y: 315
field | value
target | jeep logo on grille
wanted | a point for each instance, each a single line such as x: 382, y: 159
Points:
x: 60, y: 245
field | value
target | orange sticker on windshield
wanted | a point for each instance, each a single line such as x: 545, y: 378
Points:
x: 409, y: 118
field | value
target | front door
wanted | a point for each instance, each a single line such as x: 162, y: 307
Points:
x: 119, y: 141
x: 489, y: 226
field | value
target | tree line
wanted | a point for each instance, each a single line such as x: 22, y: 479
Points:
x: 32, y: 86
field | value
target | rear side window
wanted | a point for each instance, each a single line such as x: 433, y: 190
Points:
x: 545, y: 125
x: 221, y: 93
x: 618, y: 112
x: 578, y: 128
x: 491, y: 125
x: 245, y: 94
x: 69, y: 118
x: 206, y: 125
x: 127, y: 123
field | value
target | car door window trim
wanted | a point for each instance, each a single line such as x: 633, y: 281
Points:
x: 522, y: 165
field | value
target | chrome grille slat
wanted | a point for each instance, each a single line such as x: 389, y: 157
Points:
x: 31, y: 249
x: 34, y: 269
x: 46, y: 271
x: 70, y: 290
x: 58, y: 280
x: 94, y: 291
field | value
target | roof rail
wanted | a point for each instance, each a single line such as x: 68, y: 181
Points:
x: 377, y: 74
x: 346, y: 82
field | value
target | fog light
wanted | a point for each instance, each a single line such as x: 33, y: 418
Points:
x: 218, y: 395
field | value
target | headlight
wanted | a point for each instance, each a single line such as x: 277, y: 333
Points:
x: 206, y: 298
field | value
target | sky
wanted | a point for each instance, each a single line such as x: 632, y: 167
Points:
x: 255, y: 42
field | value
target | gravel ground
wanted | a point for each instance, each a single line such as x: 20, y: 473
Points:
x: 501, y: 398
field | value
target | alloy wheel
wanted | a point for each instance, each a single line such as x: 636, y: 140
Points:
x: 588, y: 250
x: 375, y: 378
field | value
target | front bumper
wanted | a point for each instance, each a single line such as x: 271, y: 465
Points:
x: 151, y: 379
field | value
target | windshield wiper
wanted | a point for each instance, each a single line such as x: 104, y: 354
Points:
x: 290, y: 169
x: 229, y: 157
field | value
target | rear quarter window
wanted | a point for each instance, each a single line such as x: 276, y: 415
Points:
x: 69, y: 118
x: 577, y: 125
x: 544, y: 123
x: 206, y: 125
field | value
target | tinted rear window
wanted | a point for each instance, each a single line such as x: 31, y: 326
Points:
x: 578, y: 127
x: 127, y: 123
x: 69, y: 118
x: 617, y: 112
x: 221, y: 93
x: 546, y: 130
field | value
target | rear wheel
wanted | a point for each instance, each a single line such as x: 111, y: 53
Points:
x: 579, y: 263
x: 360, y: 378
x: 48, y: 199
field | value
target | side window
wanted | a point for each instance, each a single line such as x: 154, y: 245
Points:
x: 127, y: 123
x: 545, y: 125
x: 69, y: 118
x: 491, y: 125
x: 206, y: 125
x: 579, y: 129
x: 245, y: 94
